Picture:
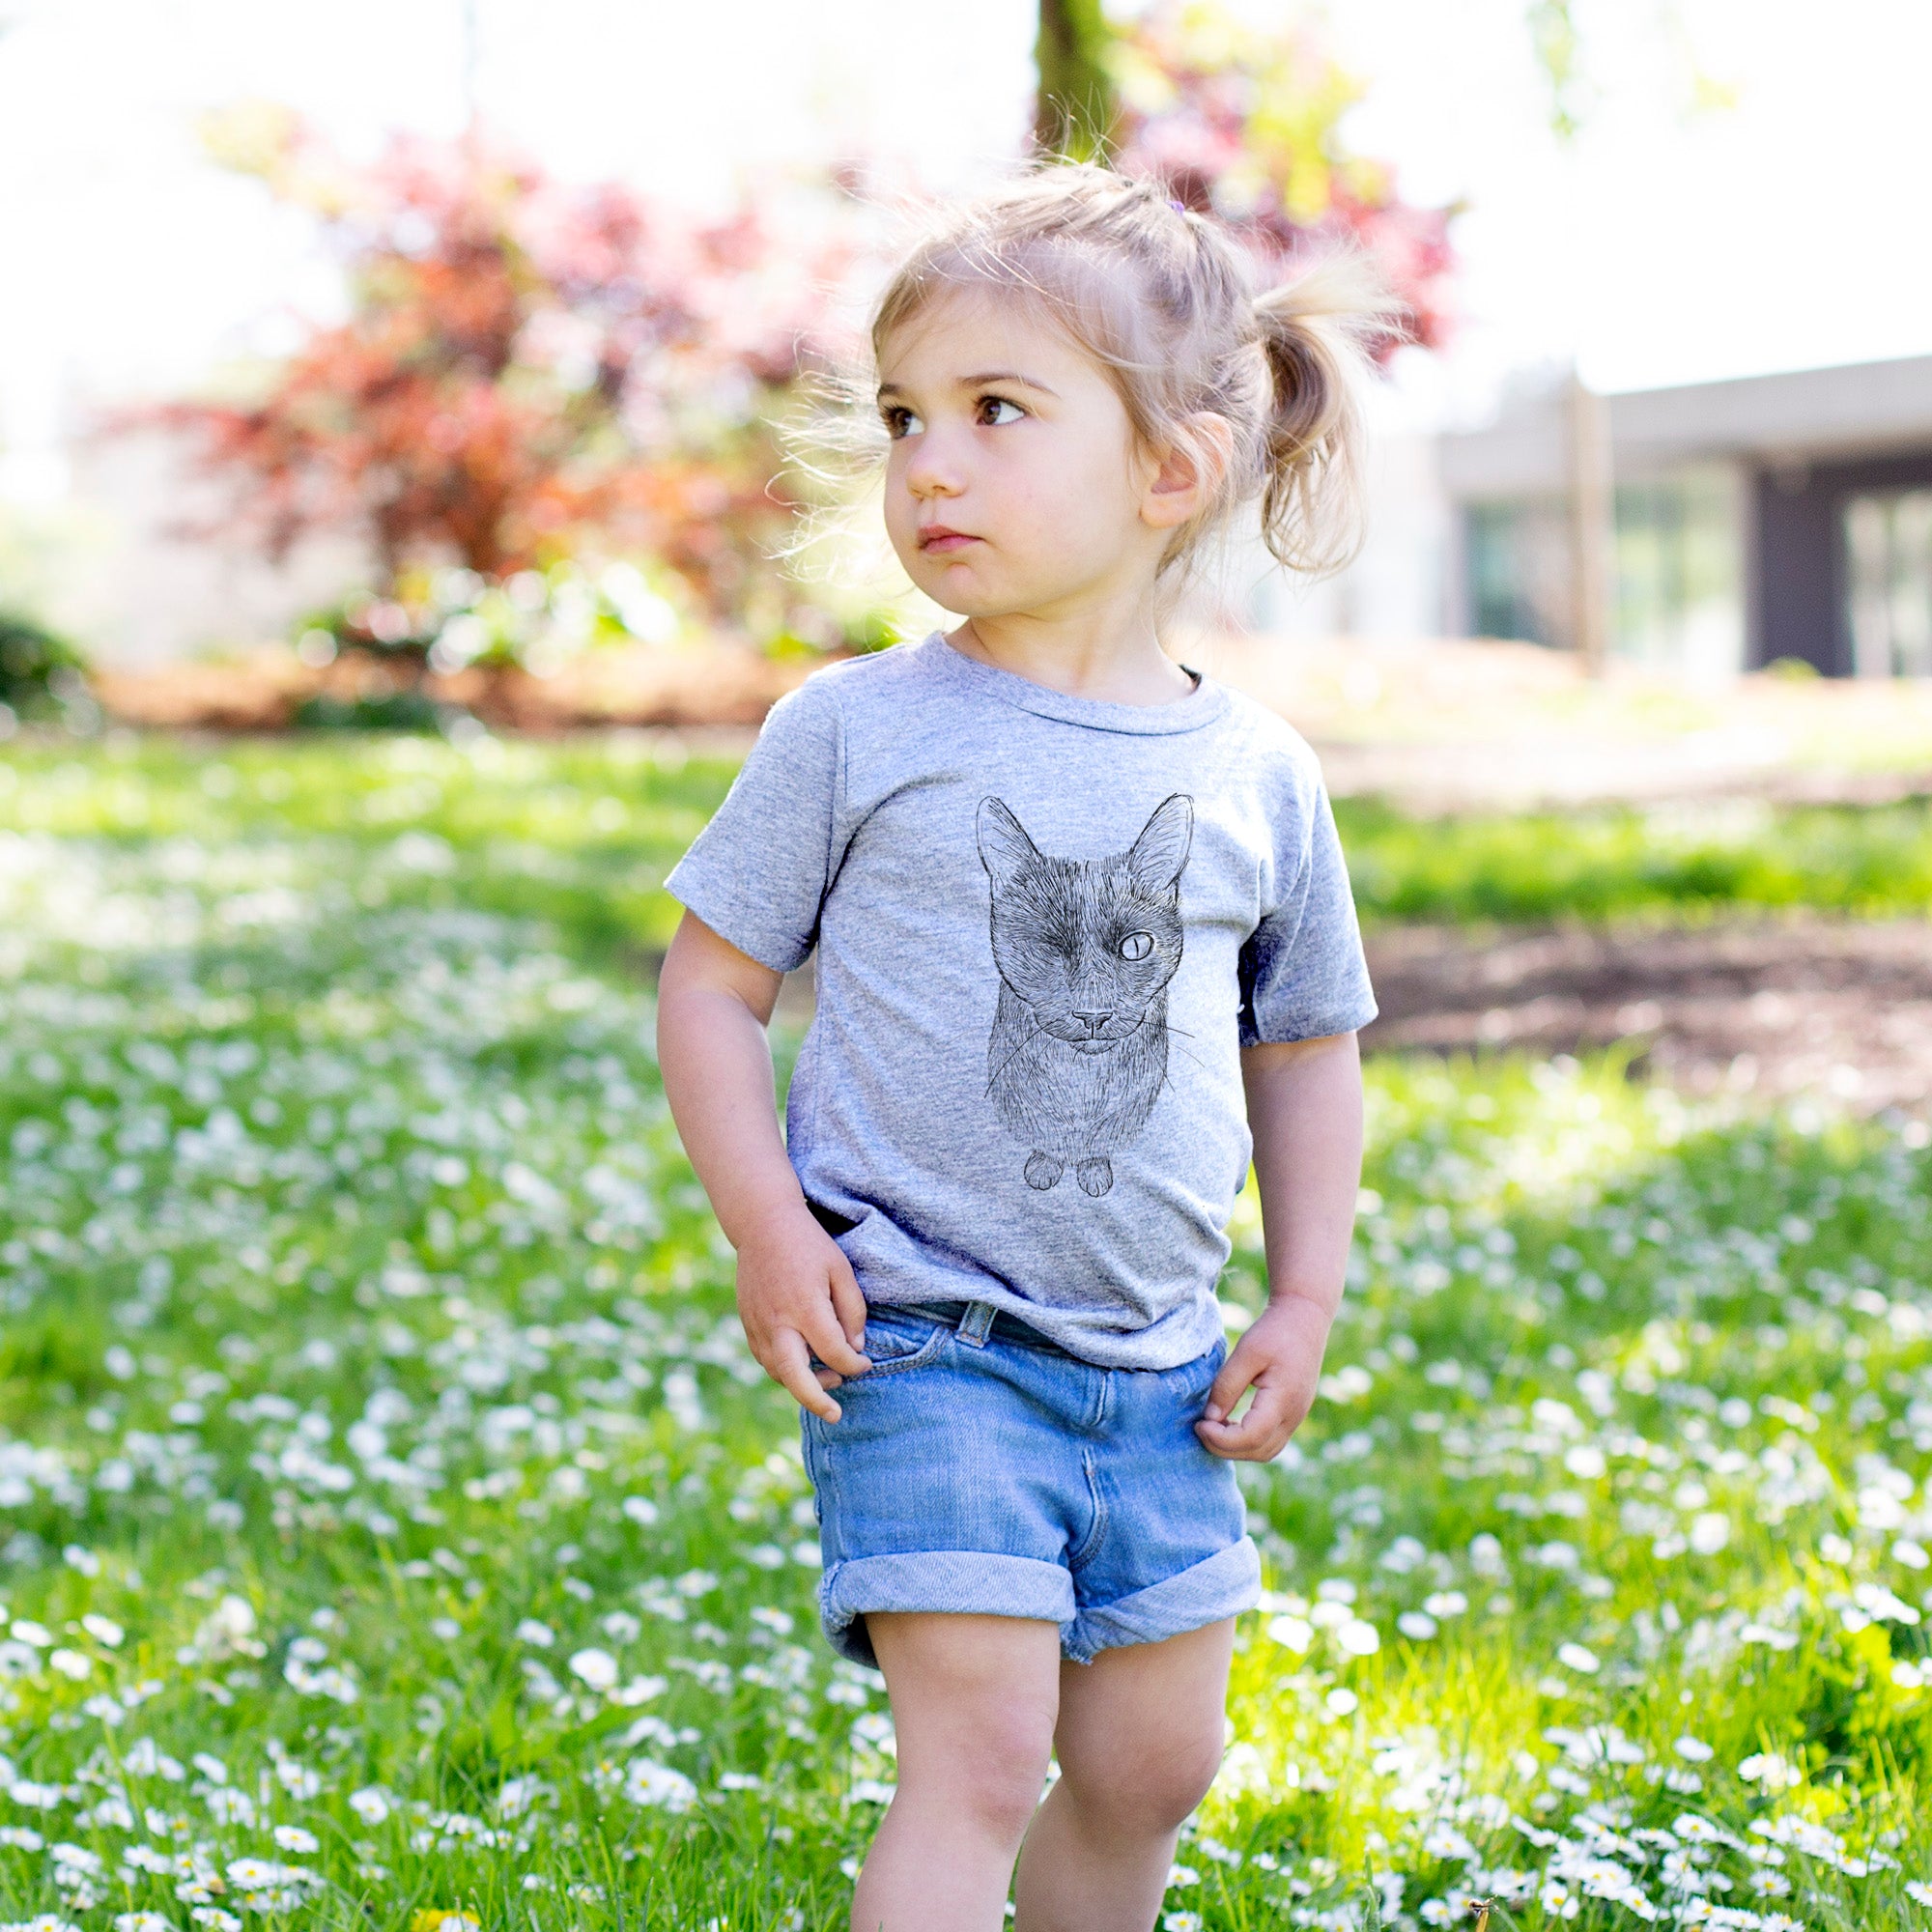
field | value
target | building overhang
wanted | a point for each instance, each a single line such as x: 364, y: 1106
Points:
x: 1782, y: 421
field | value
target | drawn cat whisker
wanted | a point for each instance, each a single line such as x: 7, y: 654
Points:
x: 1020, y: 1047
x: 1183, y: 1033
x: 1166, y: 1079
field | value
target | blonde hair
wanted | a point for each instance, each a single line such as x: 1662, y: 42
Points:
x: 1165, y: 301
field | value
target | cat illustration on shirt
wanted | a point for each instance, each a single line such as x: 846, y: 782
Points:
x: 1085, y: 949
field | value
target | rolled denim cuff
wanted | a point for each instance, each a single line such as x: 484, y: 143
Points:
x: 1227, y: 1584
x: 954, y: 1581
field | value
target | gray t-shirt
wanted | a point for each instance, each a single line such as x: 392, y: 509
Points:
x: 1045, y: 927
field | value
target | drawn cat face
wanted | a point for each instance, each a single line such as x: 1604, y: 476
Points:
x: 1087, y: 943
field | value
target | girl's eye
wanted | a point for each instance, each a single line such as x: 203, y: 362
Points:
x: 990, y: 404
x: 1137, y: 946
x: 901, y: 422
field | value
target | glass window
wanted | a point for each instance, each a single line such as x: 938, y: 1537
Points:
x: 1680, y: 603
x: 1679, y: 572
x: 1887, y: 540
x: 1518, y: 564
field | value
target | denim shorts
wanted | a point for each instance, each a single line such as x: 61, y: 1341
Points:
x: 980, y: 1467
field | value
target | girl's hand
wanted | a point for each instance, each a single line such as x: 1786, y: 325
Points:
x: 1280, y: 1358
x: 798, y: 1298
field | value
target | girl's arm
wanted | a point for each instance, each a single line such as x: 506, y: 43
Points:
x: 1305, y: 1112
x: 797, y: 1295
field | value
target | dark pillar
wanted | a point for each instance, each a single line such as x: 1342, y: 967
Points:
x: 1796, y: 554
x: 1796, y: 607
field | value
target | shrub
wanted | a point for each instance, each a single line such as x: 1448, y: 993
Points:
x: 393, y: 711
x: 43, y: 676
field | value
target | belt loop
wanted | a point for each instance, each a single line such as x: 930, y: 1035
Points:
x: 977, y: 1324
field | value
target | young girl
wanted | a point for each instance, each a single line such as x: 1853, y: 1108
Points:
x: 1085, y: 949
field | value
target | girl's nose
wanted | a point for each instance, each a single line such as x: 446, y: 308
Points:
x: 930, y: 471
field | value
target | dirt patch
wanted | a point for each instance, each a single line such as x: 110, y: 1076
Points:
x: 1775, y: 1007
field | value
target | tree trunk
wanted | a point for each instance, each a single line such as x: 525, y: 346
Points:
x: 1075, y: 111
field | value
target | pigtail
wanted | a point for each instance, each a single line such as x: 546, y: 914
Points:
x: 1314, y: 331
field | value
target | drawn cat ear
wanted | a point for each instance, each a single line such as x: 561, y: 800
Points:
x: 1161, y: 850
x: 1004, y: 844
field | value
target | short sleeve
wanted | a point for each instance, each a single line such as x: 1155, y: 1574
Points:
x: 758, y: 874
x: 1302, y: 973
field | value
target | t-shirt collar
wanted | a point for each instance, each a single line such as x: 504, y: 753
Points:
x: 1206, y: 701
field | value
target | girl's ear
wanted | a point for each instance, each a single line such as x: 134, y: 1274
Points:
x: 1190, y: 472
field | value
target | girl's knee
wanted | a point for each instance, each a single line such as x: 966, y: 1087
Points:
x: 988, y: 1766
x: 1004, y: 1801
x: 1150, y: 1790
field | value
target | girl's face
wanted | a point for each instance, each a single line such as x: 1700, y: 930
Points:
x: 1014, y: 482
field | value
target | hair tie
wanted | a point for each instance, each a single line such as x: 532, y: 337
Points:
x: 1179, y: 207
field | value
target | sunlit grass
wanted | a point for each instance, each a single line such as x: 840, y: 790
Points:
x: 580, y: 833
x: 1625, y: 863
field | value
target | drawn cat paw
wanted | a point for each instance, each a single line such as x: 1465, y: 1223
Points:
x: 1094, y: 1177
x: 1043, y: 1170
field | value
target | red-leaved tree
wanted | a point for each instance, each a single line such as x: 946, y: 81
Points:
x: 1247, y: 124
x: 524, y: 366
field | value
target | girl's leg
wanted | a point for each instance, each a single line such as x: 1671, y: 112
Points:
x: 974, y: 1704
x: 1140, y: 1736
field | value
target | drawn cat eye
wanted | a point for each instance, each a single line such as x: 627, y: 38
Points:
x: 1137, y: 946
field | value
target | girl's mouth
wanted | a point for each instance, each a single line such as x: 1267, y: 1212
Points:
x: 940, y: 541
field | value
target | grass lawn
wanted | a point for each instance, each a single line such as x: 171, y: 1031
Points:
x: 582, y: 832
x: 392, y: 1523
x: 1666, y: 862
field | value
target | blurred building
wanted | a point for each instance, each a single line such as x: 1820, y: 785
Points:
x: 1767, y: 518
